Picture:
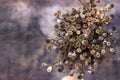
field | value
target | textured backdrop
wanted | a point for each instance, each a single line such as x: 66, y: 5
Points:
x: 24, y: 26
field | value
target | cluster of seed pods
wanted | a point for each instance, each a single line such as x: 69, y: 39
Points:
x: 81, y: 38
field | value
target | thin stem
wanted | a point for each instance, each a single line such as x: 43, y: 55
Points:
x: 82, y: 3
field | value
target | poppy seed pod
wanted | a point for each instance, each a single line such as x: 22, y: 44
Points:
x: 112, y: 50
x: 97, y: 46
x: 97, y: 31
x: 103, y: 51
x: 79, y: 50
x: 92, y: 52
x: 95, y: 64
x: 70, y: 54
x: 82, y: 57
x: 49, y: 69
x: 78, y: 32
x: 108, y: 43
x: 84, y: 42
x: 44, y: 64
x: 97, y: 55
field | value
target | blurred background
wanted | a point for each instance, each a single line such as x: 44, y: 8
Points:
x: 24, y: 27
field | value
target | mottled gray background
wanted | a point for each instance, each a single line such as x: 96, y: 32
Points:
x: 24, y: 26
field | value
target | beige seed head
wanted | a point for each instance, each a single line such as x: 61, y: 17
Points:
x: 100, y: 38
x: 82, y: 57
x: 79, y: 50
x: 112, y: 50
x: 97, y: 31
x: 44, y: 64
x: 97, y: 46
x: 92, y: 52
x: 72, y: 18
x: 86, y: 63
x: 49, y: 69
x: 97, y: 55
x: 82, y: 15
x: 108, y: 43
x: 104, y: 42
x: 85, y: 42
x: 70, y: 54
x: 95, y: 64
x: 103, y: 51
x: 104, y: 34
x: 73, y: 55
x: 76, y: 16
x: 78, y: 32
x: 72, y: 28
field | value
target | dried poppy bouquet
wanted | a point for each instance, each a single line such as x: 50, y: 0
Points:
x: 81, y: 39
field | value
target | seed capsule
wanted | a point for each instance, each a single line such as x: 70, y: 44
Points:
x: 77, y: 44
x: 71, y: 73
x: 72, y: 28
x: 97, y: 55
x: 97, y: 31
x: 84, y: 42
x: 108, y: 43
x: 92, y: 52
x: 100, y: 38
x: 97, y: 46
x: 82, y: 15
x: 82, y: 57
x: 95, y: 64
x: 70, y: 54
x: 44, y: 64
x: 73, y: 55
x: 84, y: 26
x: 49, y: 69
x: 78, y: 32
x: 104, y: 42
x: 76, y: 16
x: 72, y: 18
x: 86, y: 63
x: 104, y: 34
x: 103, y: 51
x: 79, y: 50
x: 112, y: 50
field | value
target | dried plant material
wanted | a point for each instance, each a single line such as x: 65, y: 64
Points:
x: 112, y: 50
x: 82, y: 40
x: 49, y: 69
x: 44, y: 64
